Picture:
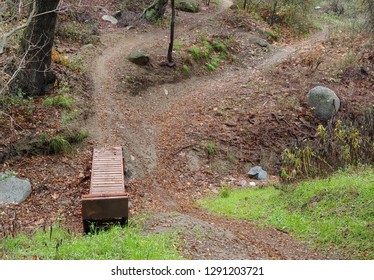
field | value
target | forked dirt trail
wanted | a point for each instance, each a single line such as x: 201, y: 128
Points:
x: 146, y: 125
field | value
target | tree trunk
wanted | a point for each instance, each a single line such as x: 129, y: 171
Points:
x: 36, y: 47
x: 156, y: 10
x: 172, y: 23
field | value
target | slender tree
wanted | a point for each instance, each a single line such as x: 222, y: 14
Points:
x: 172, y: 23
x: 36, y: 48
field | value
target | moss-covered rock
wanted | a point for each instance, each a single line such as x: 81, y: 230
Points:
x: 191, y: 6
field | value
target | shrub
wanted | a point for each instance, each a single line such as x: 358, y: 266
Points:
x: 347, y: 143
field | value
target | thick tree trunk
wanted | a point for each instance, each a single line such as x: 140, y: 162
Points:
x: 156, y: 10
x: 36, y: 48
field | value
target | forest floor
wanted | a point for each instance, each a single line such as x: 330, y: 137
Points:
x: 247, y: 112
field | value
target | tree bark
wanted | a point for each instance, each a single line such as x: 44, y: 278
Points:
x: 172, y: 23
x: 36, y: 46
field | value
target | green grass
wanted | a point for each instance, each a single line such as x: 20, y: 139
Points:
x: 117, y: 243
x: 335, y: 213
x: 58, y: 144
x: 65, y: 101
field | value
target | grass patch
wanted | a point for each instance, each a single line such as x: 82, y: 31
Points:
x: 64, y: 101
x: 115, y: 244
x: 335, y: 213
x: 211, y: 52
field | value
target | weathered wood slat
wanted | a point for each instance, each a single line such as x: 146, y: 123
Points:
x: 107, y: 198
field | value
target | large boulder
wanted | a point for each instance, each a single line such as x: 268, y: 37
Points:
x: 191, y: 6
x: 139, y: 57
x: 13, y: 190
x: 324, y: 101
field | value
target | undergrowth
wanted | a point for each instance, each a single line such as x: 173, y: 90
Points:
x: 333, y: 214
x: 117, y: 243
x: 210, y: 51
x: 343, y: 144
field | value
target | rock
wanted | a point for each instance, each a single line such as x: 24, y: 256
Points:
x: 324, y: 101
x: 139, y: 57
x: 252, y: 184
x: 263, y: 43
x: 117, y: 14
x: 13, y: 190
x: 191, y: 6
x: 109, y: 18
x: 257, y: 173
x: 88, y: 47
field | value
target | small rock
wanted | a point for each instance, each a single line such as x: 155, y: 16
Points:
x: 263, y: 43
x: 109, y: 18
x: 129, y: 27
x: 252, y: 184
x: 13, y: 190
x: 243, y: 183
x: 139, y: 57
x: 324, y: 101
x: 88, y: 47
x: 257, y: 173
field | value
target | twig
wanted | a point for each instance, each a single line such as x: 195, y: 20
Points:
x: 6, y: 35
x: 183, y: 148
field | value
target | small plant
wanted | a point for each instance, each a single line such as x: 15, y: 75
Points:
x: 178, y: 45
x: 68, y: 117
x: 62, y: 100
x: 74, y: 63
x: 195, y: 52
x: 14, y: 100
x: 210, y: 148
x: 59, y: 144
x: 80, y: 136
x: 185, y: 69
x: 8, y: 174
x: 225, y: 191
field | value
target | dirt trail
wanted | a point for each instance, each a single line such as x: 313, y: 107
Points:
x: 138, y: 122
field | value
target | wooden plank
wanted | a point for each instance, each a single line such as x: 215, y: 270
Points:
x: 107, y: 199
x: 105, y: 207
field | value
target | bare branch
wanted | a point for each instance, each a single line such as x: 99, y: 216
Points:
x: 6, y: 35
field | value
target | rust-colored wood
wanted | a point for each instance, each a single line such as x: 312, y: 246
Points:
x: 107, y: 199
x: 109, y: 207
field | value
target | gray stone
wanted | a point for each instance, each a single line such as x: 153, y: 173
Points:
x: 139, y: 57
x: 13, y: 190
x: 191, y: 6
x: 263, y: 43
x: 257, y: 173
x: 324, y: 101
x: 109, y: 18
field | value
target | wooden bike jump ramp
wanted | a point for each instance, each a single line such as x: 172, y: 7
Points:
x: 107, y: 200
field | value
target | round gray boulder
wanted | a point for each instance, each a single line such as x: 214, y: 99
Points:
x: 13, y: 190
x: 324, y: 101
